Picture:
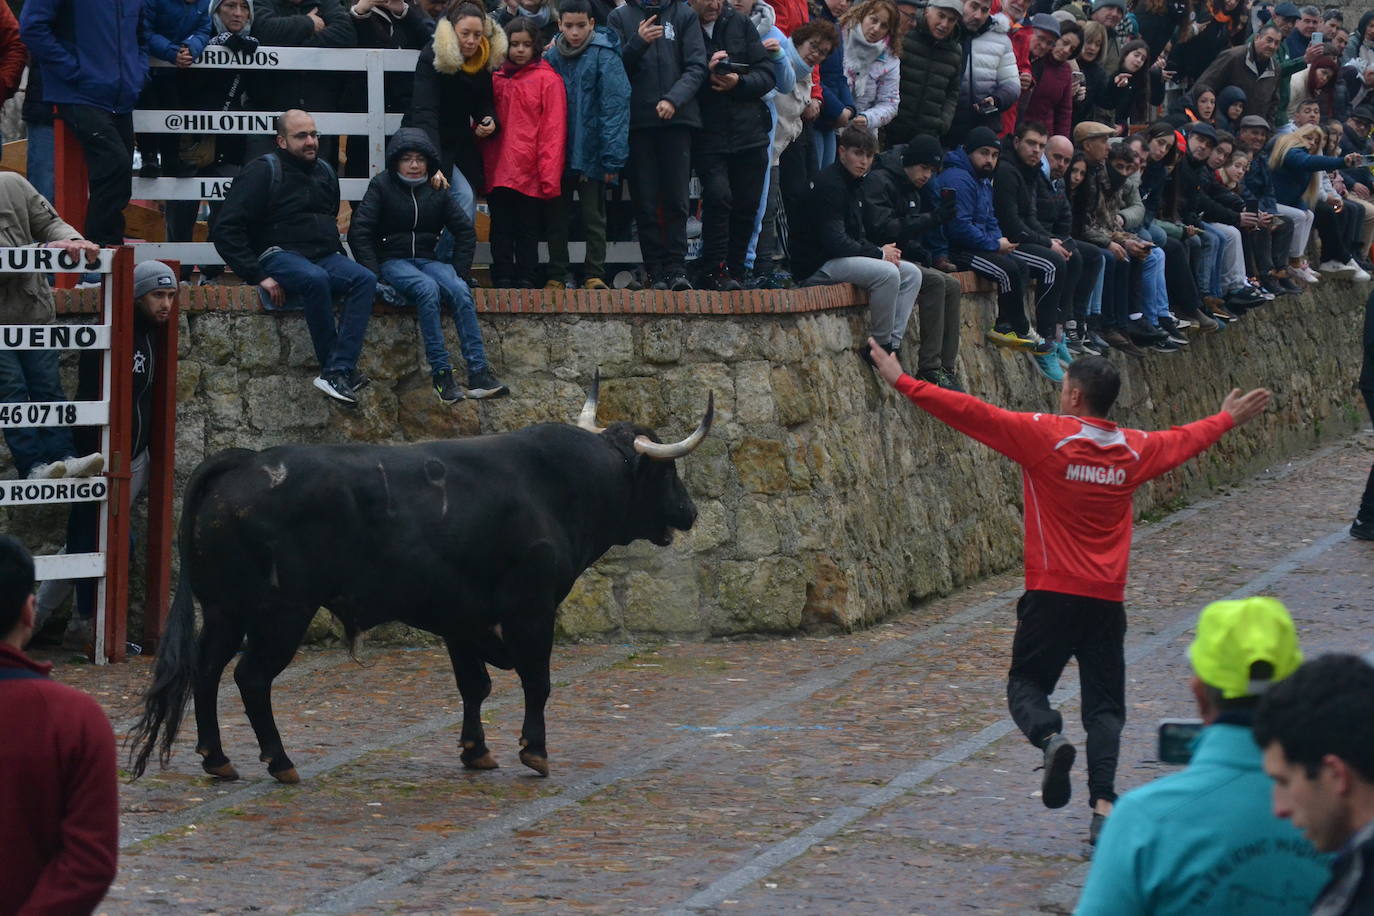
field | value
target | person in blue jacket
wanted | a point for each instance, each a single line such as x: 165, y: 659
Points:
x: 587, y: 57
x: 1206, y: 840
x: 837, y: 101
x: 178, y: 30
x: 976, y: 241
x: 93, y: 56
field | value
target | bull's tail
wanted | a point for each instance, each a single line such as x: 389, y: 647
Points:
x: 164, y: 702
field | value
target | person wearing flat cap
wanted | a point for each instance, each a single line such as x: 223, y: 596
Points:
x: 932, y: 61
x: 155, y: 293
x: 1206, y: 840
x: 899, y: 204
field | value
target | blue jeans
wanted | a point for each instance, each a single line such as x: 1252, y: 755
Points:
x: 824, y: 142
x: 31, y: 375
x: 460, y: 189
x: 426, y: 285
x: 1208, y: 270
x: 1156, y: 298
x: 313, y: 285
x: 40, y: 160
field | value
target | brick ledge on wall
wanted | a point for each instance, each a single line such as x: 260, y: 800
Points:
x: 236, y: 298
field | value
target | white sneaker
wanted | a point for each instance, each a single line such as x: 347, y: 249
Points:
x: 50, y: 471
x: 86, y: 465
x: 1336, y: 268
x: 1360, y: 274
x: 1308, y: 274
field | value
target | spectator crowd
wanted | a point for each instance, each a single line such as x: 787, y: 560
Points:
x: 1127, y: 173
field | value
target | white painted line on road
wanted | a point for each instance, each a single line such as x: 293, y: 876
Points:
x: 781, y: 853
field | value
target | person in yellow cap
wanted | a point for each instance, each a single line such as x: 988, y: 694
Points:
x: 1205, y: 840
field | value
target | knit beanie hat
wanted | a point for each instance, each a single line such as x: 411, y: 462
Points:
x: 922, y: 150
x: 151, y: 275
x: 979, y: 137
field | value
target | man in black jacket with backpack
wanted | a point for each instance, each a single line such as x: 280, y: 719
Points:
x: 279, y: 230
x: 393, y: 233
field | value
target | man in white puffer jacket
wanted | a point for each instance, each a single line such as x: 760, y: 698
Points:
x: 990, y: 83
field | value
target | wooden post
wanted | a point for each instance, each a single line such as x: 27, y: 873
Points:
x: 71, y: 184
x: 121, y: 415
x: 162, y: 465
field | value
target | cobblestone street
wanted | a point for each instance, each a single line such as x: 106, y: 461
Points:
x: 876, y: 772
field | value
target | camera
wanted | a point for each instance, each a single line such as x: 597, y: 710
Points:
x: 726, y: 65
x: 1176, y: 737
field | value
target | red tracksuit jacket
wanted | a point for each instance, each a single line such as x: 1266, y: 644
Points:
x: 1079, y: 475
x: 59, y: 803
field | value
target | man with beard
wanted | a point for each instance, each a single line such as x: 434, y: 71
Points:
x: 976, y: 241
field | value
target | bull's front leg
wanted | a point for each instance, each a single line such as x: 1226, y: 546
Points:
x: 531, y: 646
x: 474, y: 684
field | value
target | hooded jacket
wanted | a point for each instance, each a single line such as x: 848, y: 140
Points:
x: 929, y: 83
x: 1014, y: 198
x: 738, y: 119
x: 895, y: 210
x: 299, y: 214
x: 451, y: 95
x: 526, y: 152
x: 989, y: 70
x: 598, y: 131
x: 215, y: 89
x: 1225, y: 99
x: 397, y: 220
x: 838, y: 230
x: 974, y: 227
x: 91, y: 52
x: 673, y: 68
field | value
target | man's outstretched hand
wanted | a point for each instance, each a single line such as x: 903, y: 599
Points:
x: 885, y: 363
x: 1245, y: 407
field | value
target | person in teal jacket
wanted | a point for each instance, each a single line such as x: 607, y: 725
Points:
x: 1206, y: 840
x: 588, y: 59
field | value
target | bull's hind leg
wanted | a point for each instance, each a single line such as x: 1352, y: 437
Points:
x: 220, y: 638
x: 475, y: 686
x: 272, y: 643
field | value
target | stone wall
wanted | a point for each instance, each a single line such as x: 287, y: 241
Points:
x: 825, y: 500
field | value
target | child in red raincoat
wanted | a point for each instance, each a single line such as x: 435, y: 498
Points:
x: 524, y: 159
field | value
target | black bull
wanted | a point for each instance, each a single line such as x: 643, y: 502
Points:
x: 475, y: 540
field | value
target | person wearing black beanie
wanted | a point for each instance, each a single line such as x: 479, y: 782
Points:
x: 898, y: 205
x: 980, y: 137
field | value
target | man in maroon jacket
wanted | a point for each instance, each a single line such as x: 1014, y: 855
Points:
x: 59, y: 806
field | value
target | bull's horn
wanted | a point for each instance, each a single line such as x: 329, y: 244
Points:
x: 587, y: 419
x: 668, y: 451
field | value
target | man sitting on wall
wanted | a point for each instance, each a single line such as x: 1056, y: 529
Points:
x: 279, y: 230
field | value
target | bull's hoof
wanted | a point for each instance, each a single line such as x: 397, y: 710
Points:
x: 484, y: 762
x: 537, y: 762
x: 288, y: 776
x: 224, y: 771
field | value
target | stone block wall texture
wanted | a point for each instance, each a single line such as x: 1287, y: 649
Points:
x: 826, y: 501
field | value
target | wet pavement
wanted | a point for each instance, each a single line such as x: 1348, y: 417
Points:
x: 873, y: 772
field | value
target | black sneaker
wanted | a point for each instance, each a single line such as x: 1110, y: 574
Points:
x: 483, y: 384
x: 1142, y: 332
x: 948, y: 379
x: 721, y: 281
x: 1055, y: 788
x: 335, y: 385
x: 446, y: 388
x: 1165, y: 345
x: 679, y: 283
x: 933, y: 376
x: 1363, y: 529
x: 357, y: 381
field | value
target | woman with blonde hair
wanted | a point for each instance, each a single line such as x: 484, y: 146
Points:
x: 870, y: 36
x: 1297, y: 165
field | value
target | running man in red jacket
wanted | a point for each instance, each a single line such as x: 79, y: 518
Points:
x: 59, y: 805
x: 1079, y: 472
